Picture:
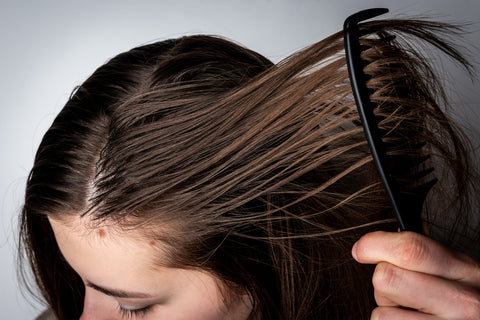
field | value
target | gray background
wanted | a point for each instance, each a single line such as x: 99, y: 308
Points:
x: 48, y: 47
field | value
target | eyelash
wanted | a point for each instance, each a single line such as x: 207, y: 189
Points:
x: 133, y: 314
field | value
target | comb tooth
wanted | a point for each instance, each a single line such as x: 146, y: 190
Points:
x: 364, y: 64
x: 421, y: 159
x: 389, y: 38
x: 379, y: 118
x: 418, y: 145
x: 370, y: 105
x: 412, y: 203
x: 421, y: 174
x: 422, y: 190
x: 429, y: 185
x: 402, y: 170
x: 408, y: 163
x: 418, y: 159
x: 364, y: 47
x: 384, y: 133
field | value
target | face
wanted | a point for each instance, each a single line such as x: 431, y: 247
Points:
x: 123, y: 282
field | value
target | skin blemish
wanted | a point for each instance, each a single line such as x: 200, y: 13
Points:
x: 151, y: 243
x: 101, y: 233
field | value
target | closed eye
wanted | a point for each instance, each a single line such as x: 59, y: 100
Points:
x: 130, y: 312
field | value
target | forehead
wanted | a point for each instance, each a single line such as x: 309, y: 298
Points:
x: 106, y: 254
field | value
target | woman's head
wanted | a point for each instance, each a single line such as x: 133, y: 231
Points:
x: 123, y: 97
x: 205, y: 162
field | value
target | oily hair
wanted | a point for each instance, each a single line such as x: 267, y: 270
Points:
x: 255, y: 172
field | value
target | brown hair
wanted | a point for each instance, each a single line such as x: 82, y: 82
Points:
x: 261, y: 172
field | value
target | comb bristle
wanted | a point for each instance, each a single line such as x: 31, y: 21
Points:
x: 388, y: 37
x: 407, y: 165
x: 412, y: 180
x: 380, y: 118
x: 423, y: 189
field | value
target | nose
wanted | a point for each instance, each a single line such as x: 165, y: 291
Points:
x: 96, y: 306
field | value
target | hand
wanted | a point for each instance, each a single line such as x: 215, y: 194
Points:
x: 416, y: 272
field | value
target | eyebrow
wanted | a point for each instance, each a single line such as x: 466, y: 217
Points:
x: 118, y: 293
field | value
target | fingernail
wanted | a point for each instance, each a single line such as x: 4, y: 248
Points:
x: 354, y: 251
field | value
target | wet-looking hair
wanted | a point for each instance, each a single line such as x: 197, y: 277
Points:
x: 257, y: 173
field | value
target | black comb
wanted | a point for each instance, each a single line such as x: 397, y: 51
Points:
x: 404, y: 190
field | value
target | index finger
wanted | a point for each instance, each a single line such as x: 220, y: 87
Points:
x: 413, y: 251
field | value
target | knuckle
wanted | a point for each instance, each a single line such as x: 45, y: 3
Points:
x: 412, y: 248
x: 379, y: 314
x: 470, y: 306
x: 475, y: 267
x: 471, y: 265
x: 476, y: 272
x: 386, y: 277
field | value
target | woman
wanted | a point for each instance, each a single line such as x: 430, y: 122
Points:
x: 193, y: 179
